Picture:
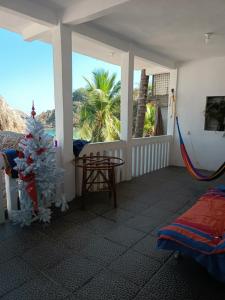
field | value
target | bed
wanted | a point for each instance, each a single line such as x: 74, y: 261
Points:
x: 200, y: 232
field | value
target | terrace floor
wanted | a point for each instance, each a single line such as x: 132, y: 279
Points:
x: 103, y: 253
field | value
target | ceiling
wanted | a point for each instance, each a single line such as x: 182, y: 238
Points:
x: 56, y: 4
x: 80, y: 43
x: 18, y: 25
x: 112, y: 55
x: 171, y: 28
x: 174, y: 28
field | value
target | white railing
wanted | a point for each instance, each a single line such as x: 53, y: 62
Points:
x: 116, y: 149
x: 8, y: 195
x: 147, y: 155
x: 141, y: 155
x: 150, y: 154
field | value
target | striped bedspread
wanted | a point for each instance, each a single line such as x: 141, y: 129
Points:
x: 200, y: 232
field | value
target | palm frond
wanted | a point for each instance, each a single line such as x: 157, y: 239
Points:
x: 99, y: 114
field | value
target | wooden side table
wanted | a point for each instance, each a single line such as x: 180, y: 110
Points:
x: 100, y: 171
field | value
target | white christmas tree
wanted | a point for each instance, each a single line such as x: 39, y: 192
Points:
x: 38, y: 175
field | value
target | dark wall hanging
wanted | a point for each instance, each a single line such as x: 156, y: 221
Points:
x: 215, y: 113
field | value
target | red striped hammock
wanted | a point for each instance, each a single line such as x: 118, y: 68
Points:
x: 192, y: 170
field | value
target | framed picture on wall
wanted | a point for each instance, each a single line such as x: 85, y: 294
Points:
x: 215, y: 113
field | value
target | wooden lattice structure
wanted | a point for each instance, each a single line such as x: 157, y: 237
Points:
x: 160, y: 84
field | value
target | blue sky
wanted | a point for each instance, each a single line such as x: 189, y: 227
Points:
x: 26, y: 72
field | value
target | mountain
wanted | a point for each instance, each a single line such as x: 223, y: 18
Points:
x: 47, y: 118
x: 11, y: 119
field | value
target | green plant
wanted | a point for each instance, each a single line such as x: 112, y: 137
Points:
x: 100, y: 113
x: 149, y: 123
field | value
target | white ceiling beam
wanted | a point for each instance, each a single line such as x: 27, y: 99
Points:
x: 34, y: 31
x: 31, y: 10
x: 100, y: 36
x: 153, y: 56
x: 118, y: 42
x: 88, y: 10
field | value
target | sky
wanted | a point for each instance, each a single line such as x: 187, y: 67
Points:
x: 26, y: 72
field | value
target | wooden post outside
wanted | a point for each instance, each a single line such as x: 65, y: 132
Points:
x: 141, y: 104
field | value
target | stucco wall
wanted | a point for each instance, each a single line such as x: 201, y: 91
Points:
x: 196, y: 80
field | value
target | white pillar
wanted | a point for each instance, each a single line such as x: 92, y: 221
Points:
x: 11, y: 187
x: 126, y: 110
x: 172, y: 102
x: 172, y: 112
x: 62, y: 45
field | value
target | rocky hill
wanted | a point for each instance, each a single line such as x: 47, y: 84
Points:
x: 11, y: 119
x: 47, y: 118
x: 15, y: 120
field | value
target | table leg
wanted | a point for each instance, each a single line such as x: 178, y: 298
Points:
x: 84, y: 188
x: 113, y: 185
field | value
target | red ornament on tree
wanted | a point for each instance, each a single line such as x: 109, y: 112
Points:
x: 29, y: 160
x: 31, y: 187
x: 33, y: 112
x: 40, y: 151
x: 20, y: 154
x: 29, y: 136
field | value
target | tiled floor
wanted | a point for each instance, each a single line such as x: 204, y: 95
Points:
x: 103, y: 253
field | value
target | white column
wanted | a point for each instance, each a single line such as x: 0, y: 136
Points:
x: 11, y: 188
x: 172, y: 111
x: 62, y: 45
x: 172, y: 102
x: 126, y: 110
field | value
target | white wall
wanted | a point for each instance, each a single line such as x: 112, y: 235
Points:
x: 196, y: 80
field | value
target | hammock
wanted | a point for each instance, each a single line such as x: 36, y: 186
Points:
x: 194, y: 172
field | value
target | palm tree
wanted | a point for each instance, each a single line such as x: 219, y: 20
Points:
x: 100, y: 113
x: 141, y: 104
x: 79, y: 95
x: 149, y: 123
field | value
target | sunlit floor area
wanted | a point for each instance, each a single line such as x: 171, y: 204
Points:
x: 106, y: 253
